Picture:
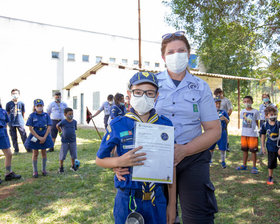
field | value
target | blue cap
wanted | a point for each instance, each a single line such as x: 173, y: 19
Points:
x: 38, y: 102
x: 217, y: 99
x: 143, y: 77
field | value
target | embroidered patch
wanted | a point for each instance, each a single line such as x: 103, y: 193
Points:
x: 109, y: 128
x: 195, y: 108
x: 192, y: 85
x: 125, y: 133
x: 108, y: 137
x: 128, y: 146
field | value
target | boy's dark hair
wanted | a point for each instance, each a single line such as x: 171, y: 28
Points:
x: 118, y: 97
x: 57, y: 93
x: 266, y: 94
x: 248, y: 97
x: 270, y: 109
x: 67, y: 109
x: 218, y: 91
x: 110, y: 97
x: 15, y: 90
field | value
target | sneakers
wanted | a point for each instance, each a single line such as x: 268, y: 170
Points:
x: 224, y: 164
x: 35, y: 175
x: 210, y: 163
x: 50, y: 150
x: 242, y: 167
x: 270, y: 181
x: 44, y: 173
x: 61, y: 170
x: 254, y: 170
x: 12, y: 176
x: 73, y: 168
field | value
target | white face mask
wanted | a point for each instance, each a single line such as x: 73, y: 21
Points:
x: 39, y: 109
x: 143, y: 104
x: 177, y: 62
x: 15, y: 96
x: 247, y: 105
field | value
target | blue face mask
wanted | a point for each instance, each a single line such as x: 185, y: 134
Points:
x: 122, y: 104
x: 265, y: 100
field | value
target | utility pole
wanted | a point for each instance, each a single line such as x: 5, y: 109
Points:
x: 139, y: 33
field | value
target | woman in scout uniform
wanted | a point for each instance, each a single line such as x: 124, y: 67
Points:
x: 5, y: 146
x: 146, y: 199
x: 39, y: 124
x: 188, y: 102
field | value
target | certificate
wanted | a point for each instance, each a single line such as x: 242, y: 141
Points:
x: 158, y: 144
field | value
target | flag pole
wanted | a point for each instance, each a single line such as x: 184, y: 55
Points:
x: 93, y: 124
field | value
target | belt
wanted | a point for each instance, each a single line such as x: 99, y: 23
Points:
x: 56, y: 119
x: 145, y: 196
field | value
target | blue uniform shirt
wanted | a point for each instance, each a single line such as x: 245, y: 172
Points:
x: 117, y: 110
x: 223, y: 122
x: 272, y: 133
x: 56, y: 110
x: 186, y: 105
x: 106, y: 107
x: 4, y: 138
x: 15, y: 112
x: 120, y: 133
x: 4, y: 118
x: 39, y: 122
x: 68, y: 130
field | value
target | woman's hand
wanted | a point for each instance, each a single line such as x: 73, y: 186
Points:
x: 120, y: 172
x: 131, y: 158
x: 170, y: 213
x: 179, y: 154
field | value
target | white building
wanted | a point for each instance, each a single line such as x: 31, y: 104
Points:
x: 40, y: 59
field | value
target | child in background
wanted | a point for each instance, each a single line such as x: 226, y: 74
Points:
x: 249, y: 135
x: 222, y: 143
x: 270, y: 129
x: 68, y: 129
x: 39, y: 124
x: 5, y: 146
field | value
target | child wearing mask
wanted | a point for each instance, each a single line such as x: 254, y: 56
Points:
x: 249, y: 135
x: 270, y: 129
x: 39, y: 124
x: 153, y: 207
x: 222, y: 143
x: 118, y: 109
x: 67, y: 127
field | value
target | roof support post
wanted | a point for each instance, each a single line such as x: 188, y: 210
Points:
x: 238, y: 102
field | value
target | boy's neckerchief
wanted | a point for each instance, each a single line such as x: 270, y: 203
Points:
x: 152, y: 118
x: 146, y: 185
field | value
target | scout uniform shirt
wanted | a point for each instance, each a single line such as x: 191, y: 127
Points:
x: 186, y: 105
x: 4, y: 138
x: 120, y: 133
x: 15, y: 111
x: 40, y: 123
x: 56, y: 110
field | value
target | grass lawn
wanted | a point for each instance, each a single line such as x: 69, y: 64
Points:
x: 87, y: 196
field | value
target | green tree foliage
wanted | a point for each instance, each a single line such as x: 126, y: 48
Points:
x: 229, y: 34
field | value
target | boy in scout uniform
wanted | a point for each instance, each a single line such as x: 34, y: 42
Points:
x: 146, y: 199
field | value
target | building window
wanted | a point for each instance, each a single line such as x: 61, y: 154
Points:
x: 157, y: 65
x: 55, y: 54
x: 147, y: 63
x: 112, y: 60
x: 135, y: 62
x: 75, y: 102
x: 98, y: 59
x: 124, y: 61
x: 85, y: 58
x: 95, y: 100
x: 71, y: 57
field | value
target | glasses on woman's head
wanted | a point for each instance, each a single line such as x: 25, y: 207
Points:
x: 169, y: 35
x: 140, y: 92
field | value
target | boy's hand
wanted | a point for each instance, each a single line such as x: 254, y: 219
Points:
x: 222, y: 118
x: 279, y: 152
x: 60, y: 133
x: 264, y: 151
x: 170, y: 213
x: 131, y: 158
x: 120, y: 172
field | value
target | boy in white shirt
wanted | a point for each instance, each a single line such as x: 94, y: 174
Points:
x: 249, y: 135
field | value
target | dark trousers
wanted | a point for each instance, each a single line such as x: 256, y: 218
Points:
x: 13, y: 134
x: 196, y: 192
x: 106, y: 118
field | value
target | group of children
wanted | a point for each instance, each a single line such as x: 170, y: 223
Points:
x: 269, y: 128
x: 39, y: 138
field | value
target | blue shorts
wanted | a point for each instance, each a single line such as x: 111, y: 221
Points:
x: 4, y: 139
x: 151, y: 214
x: 222, y: 143
x: 72, y: 147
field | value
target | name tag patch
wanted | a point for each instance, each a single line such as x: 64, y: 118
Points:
x: 195, y: 108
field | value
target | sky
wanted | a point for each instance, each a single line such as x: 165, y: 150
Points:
x: 118, y: 17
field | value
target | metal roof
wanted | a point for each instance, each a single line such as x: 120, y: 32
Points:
x: 94, y: 69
